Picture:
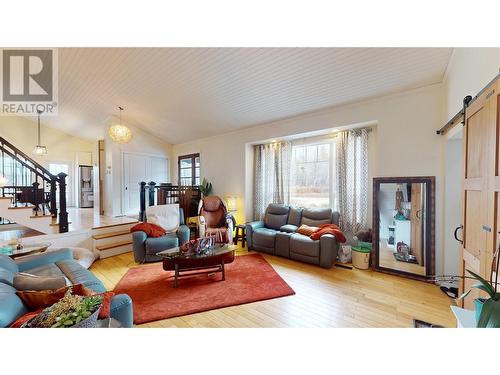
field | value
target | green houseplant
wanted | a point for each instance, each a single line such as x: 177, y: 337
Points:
x: 206, y: 187
x: 488, y: 308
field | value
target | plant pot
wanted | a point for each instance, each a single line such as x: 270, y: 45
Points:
x: 478, y: 304
x: 90, y: 322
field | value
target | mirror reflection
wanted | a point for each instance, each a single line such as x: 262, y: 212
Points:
x: 402, y: 229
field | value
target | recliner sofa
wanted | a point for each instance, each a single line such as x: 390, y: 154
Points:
x: 54, y: 263
x: 276, y: 234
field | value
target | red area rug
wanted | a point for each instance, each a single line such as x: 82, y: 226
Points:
x: 249, y: 278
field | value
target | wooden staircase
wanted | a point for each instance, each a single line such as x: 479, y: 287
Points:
x: 25, y: 215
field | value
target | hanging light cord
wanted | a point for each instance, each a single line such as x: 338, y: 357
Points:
x: 39, y: 141
x: 121, y: 109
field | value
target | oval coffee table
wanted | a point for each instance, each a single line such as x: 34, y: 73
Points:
x: 210, y: 261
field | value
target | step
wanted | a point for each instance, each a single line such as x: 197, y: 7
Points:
x: 40, y: 216
x: 106, y: 229
x: 109, y: 235
x: 22, y: 208
x: 10, y: 198
x: 113, y: 245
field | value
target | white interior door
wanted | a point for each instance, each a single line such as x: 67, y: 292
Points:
x: 137, y: 168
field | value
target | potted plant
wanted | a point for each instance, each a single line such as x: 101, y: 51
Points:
x: 206, y: 187
x: 487, y: 309
x: 71, y: 311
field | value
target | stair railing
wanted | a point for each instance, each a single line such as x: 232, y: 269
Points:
x: 187, y: 197
x: 31, y: 183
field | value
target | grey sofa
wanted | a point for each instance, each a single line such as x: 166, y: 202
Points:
x: 276, y: 234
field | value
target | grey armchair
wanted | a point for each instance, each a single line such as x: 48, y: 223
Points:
x: 145, y: 248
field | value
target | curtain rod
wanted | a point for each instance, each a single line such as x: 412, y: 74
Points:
x: 468, y: 100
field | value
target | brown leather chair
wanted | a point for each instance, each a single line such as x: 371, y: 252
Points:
x: 213, y: 219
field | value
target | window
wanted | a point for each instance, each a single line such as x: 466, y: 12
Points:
x: 189, y: 170
x: 310, y: 183
x: 57, y: 167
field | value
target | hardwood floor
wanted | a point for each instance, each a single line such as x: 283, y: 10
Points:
x: 324, y: 298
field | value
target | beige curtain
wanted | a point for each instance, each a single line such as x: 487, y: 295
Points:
x: 271, y: 176
x: 351, y: 180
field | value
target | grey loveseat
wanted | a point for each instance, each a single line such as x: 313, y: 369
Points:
x: 276, y: 234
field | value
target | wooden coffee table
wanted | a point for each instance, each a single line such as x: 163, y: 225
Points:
x: 211, y: 261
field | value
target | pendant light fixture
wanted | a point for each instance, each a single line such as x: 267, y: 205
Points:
x: 119, y: 132
x: 39, y: 149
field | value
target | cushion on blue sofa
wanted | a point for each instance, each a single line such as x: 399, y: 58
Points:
x: 264, y: 237
x: 155, y: 245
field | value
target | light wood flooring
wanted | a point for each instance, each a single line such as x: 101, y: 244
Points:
x: 324, y: 298
x: 88, y: 218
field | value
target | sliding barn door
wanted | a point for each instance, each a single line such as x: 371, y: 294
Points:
x: 481, y: 187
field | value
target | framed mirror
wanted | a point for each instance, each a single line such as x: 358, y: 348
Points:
x: 403, y: 226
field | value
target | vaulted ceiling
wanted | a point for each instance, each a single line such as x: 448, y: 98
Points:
x: 180, y: 94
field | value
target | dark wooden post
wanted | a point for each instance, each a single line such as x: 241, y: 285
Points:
x: 151, y: 198
x: 35, y: 197
x: 142, y: 200
x: 63, y: 214
x: 53, y: 200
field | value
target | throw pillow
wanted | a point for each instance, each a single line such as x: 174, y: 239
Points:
x: 166, y: 216
x: 151, y: 230
x: 306, y: 230
x: 26, y: 281
x: 24, y: 318
x: 35, y: 300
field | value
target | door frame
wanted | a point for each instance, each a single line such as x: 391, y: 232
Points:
x: 122, y: 179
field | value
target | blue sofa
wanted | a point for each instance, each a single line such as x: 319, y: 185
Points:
x: 145, y: 248
x: 54, y: 263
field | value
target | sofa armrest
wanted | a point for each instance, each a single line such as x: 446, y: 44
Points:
x: 329, y: 248
x: 122, y: 310
x: 250, y: 227
x: 42, y: 259
x: 138, y: 245
x: 183, y: 233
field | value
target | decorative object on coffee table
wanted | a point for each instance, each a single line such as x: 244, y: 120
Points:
x: 207, y: 260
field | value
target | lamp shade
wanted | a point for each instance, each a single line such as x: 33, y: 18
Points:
x: 40, y: 150
x: 231, y: 203
x: 120, y: 133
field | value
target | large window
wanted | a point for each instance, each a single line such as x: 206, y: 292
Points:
x: 311, y: 169
x: 189, y: 170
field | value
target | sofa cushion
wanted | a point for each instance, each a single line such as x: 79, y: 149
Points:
x: 8, y: 263
x: 294, y: 216
x: 155, y: 245
x: 11, y: 305
x: 78, y: 274
x: 26, y: 281
x: 316, y: 217
x: 276, y: 216
x: 264, y: 237
x: 288, y: 228
x: 303, y: 245
x: 47, y: 270
x: 6, y: 276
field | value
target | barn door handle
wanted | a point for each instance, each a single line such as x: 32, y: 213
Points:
x: 418, y: 214
x: 460, y: 227
x: 486, y: 228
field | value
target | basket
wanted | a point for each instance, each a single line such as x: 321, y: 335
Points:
x: 361, y: 257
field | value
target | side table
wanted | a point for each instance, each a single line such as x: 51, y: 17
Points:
x: 240, y: 234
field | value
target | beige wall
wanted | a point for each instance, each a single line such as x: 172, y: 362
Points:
x: 469, y: 70
x: 142, y: 143
x: 404, y: 143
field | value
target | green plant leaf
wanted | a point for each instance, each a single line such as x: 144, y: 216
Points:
x: 464, y: 294
x: 490, y: 315
x: 487, y: 287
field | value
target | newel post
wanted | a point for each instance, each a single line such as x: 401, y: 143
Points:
x: 142, y: 202
x: 63, y: 214
x: 53, y: 199
x: 151, y: 198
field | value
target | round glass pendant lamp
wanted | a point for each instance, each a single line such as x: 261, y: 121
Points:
x: 119, y: 132
x: 39, y: 149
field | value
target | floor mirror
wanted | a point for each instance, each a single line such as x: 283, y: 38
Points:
x: 403, y: 226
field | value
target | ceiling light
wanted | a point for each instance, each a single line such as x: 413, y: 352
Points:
x: 120, y: 133
x: 39, y: 149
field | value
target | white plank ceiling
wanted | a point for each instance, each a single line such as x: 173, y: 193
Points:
x: 180, y: 94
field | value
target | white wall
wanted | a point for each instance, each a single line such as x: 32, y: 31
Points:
x: 404, y: 143
x: 469, y: 70
x: 142, y: 143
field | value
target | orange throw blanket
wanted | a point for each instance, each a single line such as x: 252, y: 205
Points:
x: 151, y: 230
x: 328, y: 229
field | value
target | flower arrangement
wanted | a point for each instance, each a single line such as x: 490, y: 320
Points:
x: 69, y: 311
